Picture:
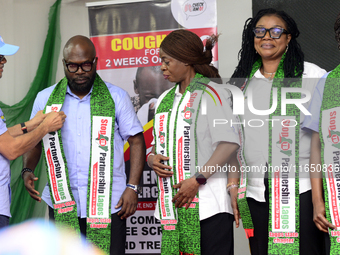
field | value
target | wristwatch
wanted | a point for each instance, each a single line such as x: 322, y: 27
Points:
x: 136, y: 188
x: 23, y: 127
x: 200, y: 178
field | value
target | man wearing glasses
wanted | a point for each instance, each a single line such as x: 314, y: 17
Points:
x: 87, y: 187
x: 16, y: 140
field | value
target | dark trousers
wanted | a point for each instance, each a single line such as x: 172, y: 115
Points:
x: 312, y: 240
x: 118, y: 232
x: 217, y: 235
x: 4, y: 221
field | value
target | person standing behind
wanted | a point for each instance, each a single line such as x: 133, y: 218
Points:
x: 87, y: 187
x: 193, y: 204
x: 271, y: 58
x: 324, y: 159
x: 149, y: 85
x: 16, y: 140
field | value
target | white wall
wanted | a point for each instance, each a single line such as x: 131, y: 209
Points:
x: 25, y: 23
x: 231, y: 16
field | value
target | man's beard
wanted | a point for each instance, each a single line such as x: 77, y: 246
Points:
x: 86, y: 87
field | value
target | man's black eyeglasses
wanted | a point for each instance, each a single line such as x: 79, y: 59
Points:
x: 85, y: 66
x: 2, y: 57
x: 274, y: 32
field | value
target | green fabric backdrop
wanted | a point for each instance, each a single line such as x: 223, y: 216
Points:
x: 23, y: 206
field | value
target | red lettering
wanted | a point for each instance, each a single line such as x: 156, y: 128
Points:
x: 285, y: 128
x: 169, y: 227
x: 65, y: 210
x: 242, y: 190
x: 54, y: 108
x: 98, y: 226
x: 161, y: 123
x: 332, y: 122
x: 103, y: 126
x: 191, y: 100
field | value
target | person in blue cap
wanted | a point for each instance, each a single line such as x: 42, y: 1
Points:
x: 16, y: 140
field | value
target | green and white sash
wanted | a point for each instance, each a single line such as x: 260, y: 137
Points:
x: 330, y: 154
x: 101, y: 166
x: 242, y: 203
x: 175, y: 137
x: 283, y: 166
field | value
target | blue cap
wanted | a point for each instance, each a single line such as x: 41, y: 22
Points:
x: 7, y: 49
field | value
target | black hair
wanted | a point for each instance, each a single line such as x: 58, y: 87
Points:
x: 337, y: 30
x: 188, y: 47
x: 155, y: 69
x: 293, y: 63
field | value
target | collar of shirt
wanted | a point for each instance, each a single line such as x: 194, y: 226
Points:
x: 177, y: 93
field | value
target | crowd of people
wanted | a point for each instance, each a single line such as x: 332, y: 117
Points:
x: 80, y: 125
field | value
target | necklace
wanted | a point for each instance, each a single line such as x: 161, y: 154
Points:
x: 271, y: 74
x: 268, y: 73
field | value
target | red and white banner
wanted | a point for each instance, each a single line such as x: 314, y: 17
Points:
x: 100, y: 186
x: 330, y: 125
x: 56, y: 168
x: 283, y: 171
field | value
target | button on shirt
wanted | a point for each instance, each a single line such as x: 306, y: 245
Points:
x: 5, y: 176
x: 76, y: 137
